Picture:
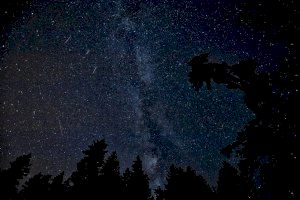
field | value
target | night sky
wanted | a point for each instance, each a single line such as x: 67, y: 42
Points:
x: 76, y: 71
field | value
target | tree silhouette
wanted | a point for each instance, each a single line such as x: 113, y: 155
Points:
x: 136, y: 182
x: 43, y: 187
x: 112, y: 187
x: 10, y: 178
x: 267, y: 145
x: 183, y: 184
x: 37, y: 187
x: 85, y: 181
x: 97, y: 177
x: 231, y: 185
x: 57, y: 187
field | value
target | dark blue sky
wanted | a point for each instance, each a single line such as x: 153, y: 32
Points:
x: 83, y: 70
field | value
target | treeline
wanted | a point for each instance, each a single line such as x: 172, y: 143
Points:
x: 98, y: 176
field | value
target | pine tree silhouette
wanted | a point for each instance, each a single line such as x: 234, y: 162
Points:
x: 183, y: 184
x: 110, y: 176
x: 10, y: 178
x: 231, y: 185
x: 136, y: 182
x: 85, y: 182
x: 37, y: 187
x: 57, y: 187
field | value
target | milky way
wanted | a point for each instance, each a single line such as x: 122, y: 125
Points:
x: 80, y: 71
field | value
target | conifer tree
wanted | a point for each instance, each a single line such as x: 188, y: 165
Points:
x: 111, y: 179
x: 10, y: 178
x: 85, y: 180
x: 137, y: 182
x: 37, y: 187
x: 185, y: 184
x: 230, y: 184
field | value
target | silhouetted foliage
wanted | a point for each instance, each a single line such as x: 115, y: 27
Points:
x: 267, y: 145
x: 183, y: 184
x: 112, y: 187
x: 85, y: 181
x: 231, y: 185
x: 136, y: 182
x: 37, y: 187
x: 10, y: 178
x: 96, y: 177
x: 43, y: 187
x: 57, y: 187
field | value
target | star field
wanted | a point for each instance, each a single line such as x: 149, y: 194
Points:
x: 76, y: 71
